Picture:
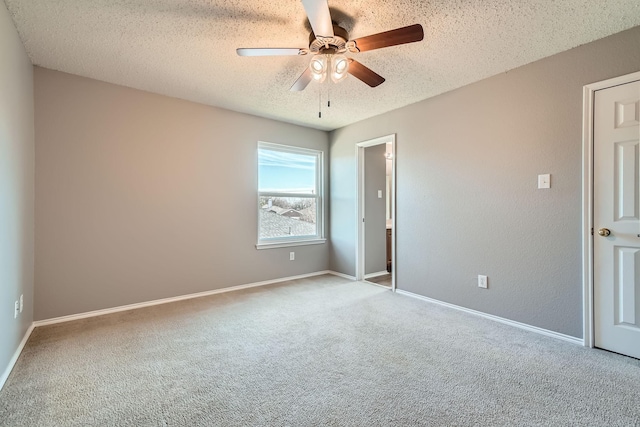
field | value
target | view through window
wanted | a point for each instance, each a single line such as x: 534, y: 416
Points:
x: 289, y: 194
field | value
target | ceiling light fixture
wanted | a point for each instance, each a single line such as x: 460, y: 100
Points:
x: 337, y: 65
x: 318, y: 67
x: 330, y: 41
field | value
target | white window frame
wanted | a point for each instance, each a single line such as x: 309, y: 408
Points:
x: 281, y: 242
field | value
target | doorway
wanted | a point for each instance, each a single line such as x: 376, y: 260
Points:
x: 612, y: 215
x: 376, y: 211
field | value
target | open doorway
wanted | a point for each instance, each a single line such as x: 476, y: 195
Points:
x: 375, y: 249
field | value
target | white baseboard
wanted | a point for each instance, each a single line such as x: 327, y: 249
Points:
x: 344, y: 276
x: 377, y: 274
x: 172, y: 299
x: 16, y: 355
x: 513, y: 323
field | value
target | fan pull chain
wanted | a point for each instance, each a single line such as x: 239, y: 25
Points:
x: 319, y: 104
x: 329, y: 96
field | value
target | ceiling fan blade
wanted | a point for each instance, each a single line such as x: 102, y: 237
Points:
x: 269, y: 51
x: 410, y: 34
x: 302, y: 82
x: 365, y: 74
x: 319, y: 17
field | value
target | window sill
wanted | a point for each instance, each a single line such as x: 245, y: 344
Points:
x: 275, y: 245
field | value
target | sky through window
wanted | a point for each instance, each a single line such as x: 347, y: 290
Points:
x: 286, y: 172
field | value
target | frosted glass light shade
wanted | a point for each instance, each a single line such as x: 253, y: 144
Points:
x: 318, y: 67
x: 339, y: 67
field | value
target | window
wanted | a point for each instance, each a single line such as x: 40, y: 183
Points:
x: 289, y: 196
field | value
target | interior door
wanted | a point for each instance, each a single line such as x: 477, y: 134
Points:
x: 616, y: 216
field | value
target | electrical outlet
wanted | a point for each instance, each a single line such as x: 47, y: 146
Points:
x: 292, y: 256
x: 483, y: 281
x: 16, y: 309
x: 21, y: 303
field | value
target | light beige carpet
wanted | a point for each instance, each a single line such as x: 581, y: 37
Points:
x: 321, y: 351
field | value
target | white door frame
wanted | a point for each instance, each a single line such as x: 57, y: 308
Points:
x: 587, y: 198
x: 360, y: 205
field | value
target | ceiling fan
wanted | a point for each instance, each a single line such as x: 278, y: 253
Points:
x: 328, y: 42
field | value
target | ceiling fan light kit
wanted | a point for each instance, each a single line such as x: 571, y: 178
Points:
x: 339, y: 67
x: 329, y: 42
x: 318, y: 66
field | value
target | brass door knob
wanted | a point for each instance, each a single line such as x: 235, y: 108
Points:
x: 604, y: 232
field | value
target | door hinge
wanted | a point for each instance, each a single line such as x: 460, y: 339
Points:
x: 592, y: 231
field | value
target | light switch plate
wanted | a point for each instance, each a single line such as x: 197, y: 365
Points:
x: 544, y: 181
x: 483, y: 281
x: 379, y: 194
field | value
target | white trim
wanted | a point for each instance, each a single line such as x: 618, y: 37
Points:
x: 344, y: 276
x: 377, y: 274
x: 587, y: 199
x: 282, y: 244
x: 359, y: 213
x: 16, y: 355
x: 296, y: 195
x: 172, y: 299
x: 587, y: 217
x: 499, y: 319
x: 377, y: 141
x: 394, y: 264
x: 283, y: 148
x: 360, y: 244
x: 616, y: 81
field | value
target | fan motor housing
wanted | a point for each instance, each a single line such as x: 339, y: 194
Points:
x: 334, y: 44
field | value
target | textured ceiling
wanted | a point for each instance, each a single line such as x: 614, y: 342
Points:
x: 186, y: 48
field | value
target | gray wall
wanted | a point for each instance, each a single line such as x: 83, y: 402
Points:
x: 375, y: 234
x: 467, y: 202
x: 16, y: 187
x: 142, y: 196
